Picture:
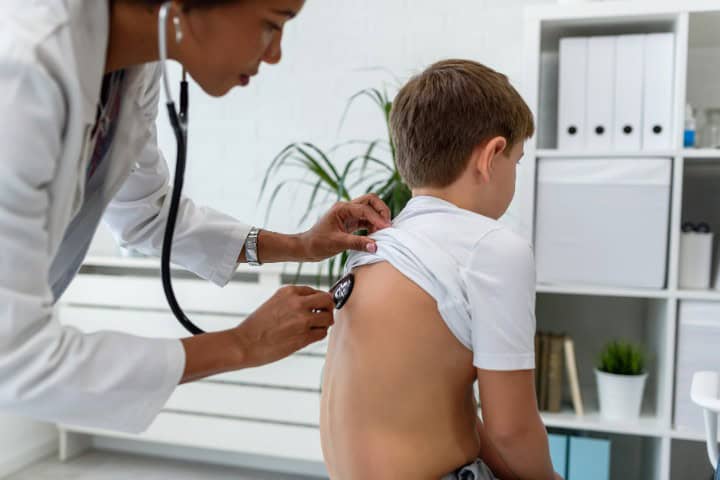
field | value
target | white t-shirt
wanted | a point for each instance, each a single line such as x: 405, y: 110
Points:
x: 481, y: 274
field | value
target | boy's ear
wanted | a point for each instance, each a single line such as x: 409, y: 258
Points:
x: 485, y: 156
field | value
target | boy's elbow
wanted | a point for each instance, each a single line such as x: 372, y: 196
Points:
x: 517, y: 431
x: 514, y: 441
x: 507, y: 436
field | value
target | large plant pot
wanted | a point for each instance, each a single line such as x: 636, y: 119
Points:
x: 620, y: 395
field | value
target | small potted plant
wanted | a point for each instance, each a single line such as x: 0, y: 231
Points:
x: 621, y: 378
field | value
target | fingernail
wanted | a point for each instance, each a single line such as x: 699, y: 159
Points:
x: 371, y: 247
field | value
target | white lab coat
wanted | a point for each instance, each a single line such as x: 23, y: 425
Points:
x: 52, y: 56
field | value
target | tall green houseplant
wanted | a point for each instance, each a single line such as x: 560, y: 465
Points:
x: 336, y: 175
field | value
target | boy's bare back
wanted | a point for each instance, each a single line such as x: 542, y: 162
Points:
x: 398, y: 386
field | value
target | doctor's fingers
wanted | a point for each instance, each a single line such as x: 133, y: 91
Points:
x: 319, y: 319
x: 319, y: 301
x: 303, y: 324
x: 376, y: 203
x: 356, y: 216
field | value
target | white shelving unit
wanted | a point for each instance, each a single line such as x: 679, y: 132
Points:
x: 593, y: 315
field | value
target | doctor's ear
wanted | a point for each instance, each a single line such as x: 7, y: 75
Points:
x: 485, y: 155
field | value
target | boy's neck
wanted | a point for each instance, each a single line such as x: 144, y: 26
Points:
x: 459, y: 195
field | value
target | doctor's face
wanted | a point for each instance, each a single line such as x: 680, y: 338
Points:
x: 224, y: 46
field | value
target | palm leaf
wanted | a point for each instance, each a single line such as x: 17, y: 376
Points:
x: 366, y: 179
x: 342, y: 191
x: 314, y: 166
x: 381, y: 143
x: 276, y: 191
x: 311, y: 203
x: 323, y: 157
x: 331, y: 270
x: 276, y: 163
x: 373, y: 94
x: 298, y: 272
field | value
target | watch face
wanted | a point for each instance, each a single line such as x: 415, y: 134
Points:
x: 342, y: 290
x: 251, y: 248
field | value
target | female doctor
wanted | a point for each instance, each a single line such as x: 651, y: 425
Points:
x: 80, y: 92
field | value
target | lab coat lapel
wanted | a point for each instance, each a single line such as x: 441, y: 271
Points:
x: 90, y: 25
x: 90, y: 30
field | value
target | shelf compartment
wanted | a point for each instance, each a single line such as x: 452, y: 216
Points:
x: 706, y: 295
x: 689, y: 460
x: 701, y: 153
x: 592, y: 321
x: 631, y: 456
x: 601, y: 291
x: 548, y: 68
x: 703, y: 70
x: 648, y: 425
x: 689, y: 435
x: 700, y: 198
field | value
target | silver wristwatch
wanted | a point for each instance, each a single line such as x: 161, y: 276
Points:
x: 251, y: 251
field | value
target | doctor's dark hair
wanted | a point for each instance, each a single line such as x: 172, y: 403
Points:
x: 189, y: 4
x: 441, y: 115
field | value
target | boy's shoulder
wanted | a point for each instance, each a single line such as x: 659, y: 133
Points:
x: 463, y: 233
x: 500, y: 236
x: 501, y: 247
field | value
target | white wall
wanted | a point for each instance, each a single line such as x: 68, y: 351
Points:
x: 328, y: 51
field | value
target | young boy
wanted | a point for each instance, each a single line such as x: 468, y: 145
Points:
x: 448, y: 299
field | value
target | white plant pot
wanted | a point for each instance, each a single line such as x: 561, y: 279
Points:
x: 620, y: 395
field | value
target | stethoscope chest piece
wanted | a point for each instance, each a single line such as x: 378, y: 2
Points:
x: 342, y: 290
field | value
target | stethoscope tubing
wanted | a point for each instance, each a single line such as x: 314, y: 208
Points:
x: 179, y: 124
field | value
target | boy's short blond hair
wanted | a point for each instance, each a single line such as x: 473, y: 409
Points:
x: 442, y: 114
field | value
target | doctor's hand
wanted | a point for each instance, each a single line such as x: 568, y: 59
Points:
x: 293, y: 318
x: 290, y: 320
x: 334, y: 232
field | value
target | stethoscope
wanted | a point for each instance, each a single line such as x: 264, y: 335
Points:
x: 340, y: 291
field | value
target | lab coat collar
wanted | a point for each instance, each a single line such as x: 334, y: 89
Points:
x: 90, y: 31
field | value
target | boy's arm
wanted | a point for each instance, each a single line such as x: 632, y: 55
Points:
x: 500, y: 283
x: 491, y: 456
x: 513, y: 428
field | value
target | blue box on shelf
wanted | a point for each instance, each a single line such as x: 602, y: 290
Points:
x: 558, y: 453
x: 588, y: 459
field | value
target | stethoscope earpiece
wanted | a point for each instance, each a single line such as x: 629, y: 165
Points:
x: 178, y: 29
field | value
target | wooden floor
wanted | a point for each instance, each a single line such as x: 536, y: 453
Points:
x: 98, y: 465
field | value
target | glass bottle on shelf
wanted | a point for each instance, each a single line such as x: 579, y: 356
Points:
x: 690, y: 140
x: 701, y: 121
x: 711, y: 132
